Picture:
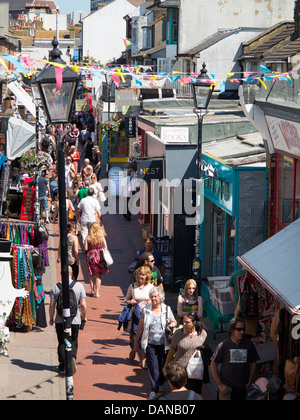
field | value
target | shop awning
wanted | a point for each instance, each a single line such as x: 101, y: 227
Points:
x: 25, y: 99
x: 20, y: 138
x: 276, y: 264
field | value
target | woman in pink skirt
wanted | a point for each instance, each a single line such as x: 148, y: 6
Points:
x: 94, y: 244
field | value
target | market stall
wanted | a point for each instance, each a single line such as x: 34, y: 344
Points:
x: 276, y: 265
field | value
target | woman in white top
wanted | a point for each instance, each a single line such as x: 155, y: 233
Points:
x: 69, y: 173
x: 97, y: 187
x: 138, y: 293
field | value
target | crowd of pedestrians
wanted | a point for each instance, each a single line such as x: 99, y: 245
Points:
x: 84, y: 193
x: 172, y: 347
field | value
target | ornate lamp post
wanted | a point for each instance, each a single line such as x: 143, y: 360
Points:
x: 37, y: 102
x: 58, y: 97
x: 202, y: 93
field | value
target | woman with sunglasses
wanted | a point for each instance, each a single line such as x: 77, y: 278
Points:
x: 188, y: 341
x: 237, y: 356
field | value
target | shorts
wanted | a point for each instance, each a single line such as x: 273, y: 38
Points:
x: 44, y: 203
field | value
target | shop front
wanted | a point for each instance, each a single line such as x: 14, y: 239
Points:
x: 167, y: 186
x: 275, y: 264
x: 286, y: 141
x: 234, y: 214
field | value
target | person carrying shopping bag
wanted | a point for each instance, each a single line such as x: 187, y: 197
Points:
x: 190, y: 347
x: 156, y: 319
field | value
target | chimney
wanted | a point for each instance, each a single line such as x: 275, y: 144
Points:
x: 296, y: 33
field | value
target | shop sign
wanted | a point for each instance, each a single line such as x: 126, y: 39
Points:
x: 175, y: 134
x: 82, y: 105
x: 115, y: 175
x: 150, y: 169
x: 285, y: 135
x: 127, y: 97
x: 130, y: 127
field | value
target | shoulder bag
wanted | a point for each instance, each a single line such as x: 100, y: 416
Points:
x: 106, y: 255
x: 71, y: 214
x: 249, y: 301
x: 168, y: 332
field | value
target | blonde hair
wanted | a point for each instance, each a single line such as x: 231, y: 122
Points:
x: 187, y: 285
x: 97, y: 234
x: 144, y: 270
x: 89, y: 169
x: 72, y: 149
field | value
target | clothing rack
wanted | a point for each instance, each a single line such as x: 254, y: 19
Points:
x: 16, y: 222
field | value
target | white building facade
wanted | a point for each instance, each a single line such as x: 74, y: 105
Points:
x: 103, y: 31
x: 199, y: 18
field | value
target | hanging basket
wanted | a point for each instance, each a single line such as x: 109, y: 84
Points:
x: 33, y: 162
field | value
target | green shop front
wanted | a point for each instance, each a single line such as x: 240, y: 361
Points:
x: 234, y: 213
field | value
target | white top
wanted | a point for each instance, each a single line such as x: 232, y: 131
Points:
x: 140, y: 295
x: 69, y: 179
x: 88, y: 206
x: 97, y: 187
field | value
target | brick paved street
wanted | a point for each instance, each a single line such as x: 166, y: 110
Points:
x: 104, y: 370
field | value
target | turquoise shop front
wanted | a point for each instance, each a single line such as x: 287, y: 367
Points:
x: 234, y: 214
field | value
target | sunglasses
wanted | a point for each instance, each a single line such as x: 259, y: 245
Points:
x: 151, y: 260
x: 239, y: 329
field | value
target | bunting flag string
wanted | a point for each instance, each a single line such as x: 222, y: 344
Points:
x: 141, y: 74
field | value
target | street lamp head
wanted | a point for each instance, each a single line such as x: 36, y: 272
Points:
x: 57, y: 84
x: 35, y: 89
x: 202, y: 90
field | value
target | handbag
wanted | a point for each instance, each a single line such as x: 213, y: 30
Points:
x: 195, y: 367
x: 168, y: 333
x: 249, y: 301
x: 71, y: 215
x: 252, y: 325
x: 42, y: 232
x: 102, y: 196
x: 107, y: 257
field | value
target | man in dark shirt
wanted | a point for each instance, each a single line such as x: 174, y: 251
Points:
x: 237, y: 357
x: 149, y: 247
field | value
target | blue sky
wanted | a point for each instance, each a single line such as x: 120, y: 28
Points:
x: 68, y: 6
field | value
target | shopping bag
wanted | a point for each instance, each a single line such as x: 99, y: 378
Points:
x: 195, y: 367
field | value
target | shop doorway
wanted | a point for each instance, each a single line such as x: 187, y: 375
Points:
x: 219, y: 252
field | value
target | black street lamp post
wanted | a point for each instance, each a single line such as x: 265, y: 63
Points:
x: 58, y: 102
x: 202, y: 92
x: 37, y: 102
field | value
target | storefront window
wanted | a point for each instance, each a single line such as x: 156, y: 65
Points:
x: 218, y: 242
x: 119, y: 146
x: 220, y: 232
x: 288, y: 191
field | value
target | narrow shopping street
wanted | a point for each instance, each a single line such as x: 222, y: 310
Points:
x: 165, y: 127
x: 104, y: 370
